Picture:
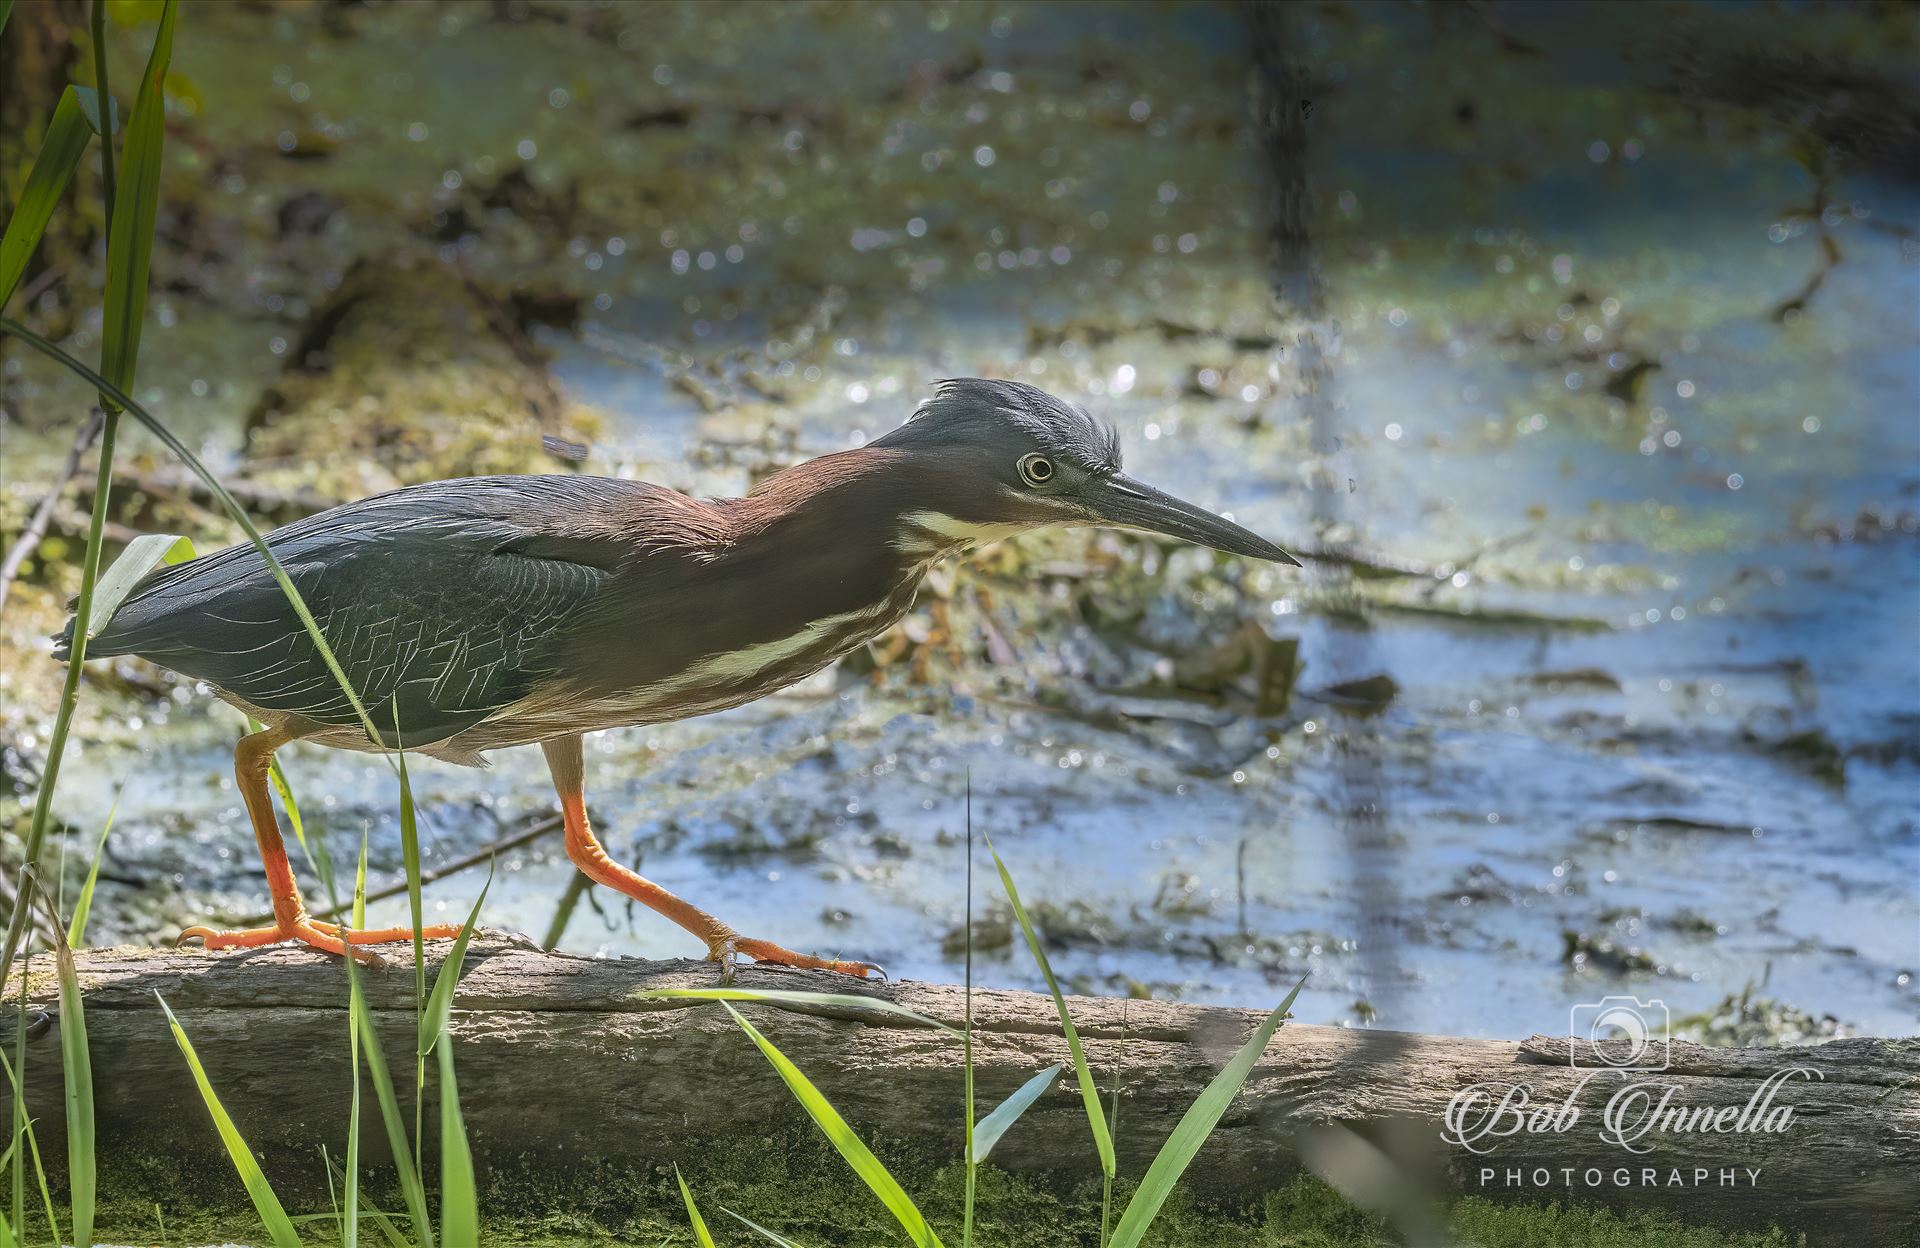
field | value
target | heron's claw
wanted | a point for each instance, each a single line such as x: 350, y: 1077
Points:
x: 326, y: 937
x: 725, y: 949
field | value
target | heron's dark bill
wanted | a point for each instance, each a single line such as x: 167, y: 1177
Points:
x: 1122, y: 501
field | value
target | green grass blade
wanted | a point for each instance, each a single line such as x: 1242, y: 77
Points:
x: 785, y: 996
x: 142, y: 555
x: 76, y: 1071
x: 90, y: 109
x: 384, y: 1224
x: 279, y: 1228
x: 1096, y: 1117
x: 33, y: 1147
x: 411, y: 1188
x: 1194, y: 1127
x: 60, y: 887
x: 1113, y: 1128
x: 700, y: 1233
x: 6, y: 11
x: 135, y: 209
x: 388, y: 1231
x: 278, y: 779
x: 459, y: 1198
x: 356, y: 1008
x: 988, y: 1131
x: 77, y: 928
x: 772, y: 1237
x: 60, y: 151
x: 6, y: 1228
x: 333, y: 1197
x: 360, y: 1018
x: 858, y: 1156
x: 433, y: 1024
x: 76, y: 1075
x: 105, y: 122
x: 410, y: 852
x: 17, y: 1220
x: 966, y: 1045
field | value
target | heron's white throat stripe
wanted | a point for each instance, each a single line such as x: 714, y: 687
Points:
x: 769, y: 665
x: 934, y: 530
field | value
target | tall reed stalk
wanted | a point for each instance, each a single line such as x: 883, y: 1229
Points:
x: 134, y: 205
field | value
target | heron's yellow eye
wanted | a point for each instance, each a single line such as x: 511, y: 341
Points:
x: 1036, y: 470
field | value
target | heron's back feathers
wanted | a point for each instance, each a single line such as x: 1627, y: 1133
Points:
x: 442, y: 602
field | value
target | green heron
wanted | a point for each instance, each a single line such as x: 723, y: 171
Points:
x: 490, y: 612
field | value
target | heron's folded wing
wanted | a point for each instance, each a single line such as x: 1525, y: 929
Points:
x: 436, y: 625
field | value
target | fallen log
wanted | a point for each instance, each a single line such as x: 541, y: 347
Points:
x: 577, y: 1094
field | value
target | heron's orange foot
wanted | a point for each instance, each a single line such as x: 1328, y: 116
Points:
x: 768, y: 953
x: 390, y: 935
x: 326, y: 937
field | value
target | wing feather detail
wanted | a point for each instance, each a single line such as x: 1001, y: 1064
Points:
x: 443, y: 604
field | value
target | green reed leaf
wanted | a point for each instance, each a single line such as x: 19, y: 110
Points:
x: 772, y: 1237
x: 433, y: 1023
x: 142, y: 555
x: 6, y: 1226
x: 272, y: 1215
x: 459, y: 1196
x: 25, y: 1128
x: 1089, y: 1095
x: 987, y: 1132
x: 76, y: 1072
x: 77, y: 927
x: 791, y: 997
x: 356, y: 1012
x: 1193, y: 1129
x: 412, y: 1190
x: 60, y: 151
x: 858, y: 1156
x: 90, y: 109
x: 700, y: 1233
x: 136, y: 208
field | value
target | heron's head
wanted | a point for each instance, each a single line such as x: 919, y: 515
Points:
x: 1008, y: 456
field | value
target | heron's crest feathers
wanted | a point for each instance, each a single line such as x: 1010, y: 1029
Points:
x: 976, y: 409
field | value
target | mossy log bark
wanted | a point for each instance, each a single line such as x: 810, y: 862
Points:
x: 577, y: 1093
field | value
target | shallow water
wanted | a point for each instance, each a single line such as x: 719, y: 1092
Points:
x: 1740, y: 533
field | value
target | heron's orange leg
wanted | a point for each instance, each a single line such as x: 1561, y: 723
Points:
x: 251, y: 759
x: 723, y: 943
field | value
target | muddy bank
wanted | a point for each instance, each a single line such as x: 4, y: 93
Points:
x: 410, y: 371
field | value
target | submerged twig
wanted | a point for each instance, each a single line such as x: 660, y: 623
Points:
x: 10, y: 898
x: 173, y: 484
x: 43, y: 514
x: 484, y: 854
x: 577, y: 885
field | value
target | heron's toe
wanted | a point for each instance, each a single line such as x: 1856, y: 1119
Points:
x: 766, y: 952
